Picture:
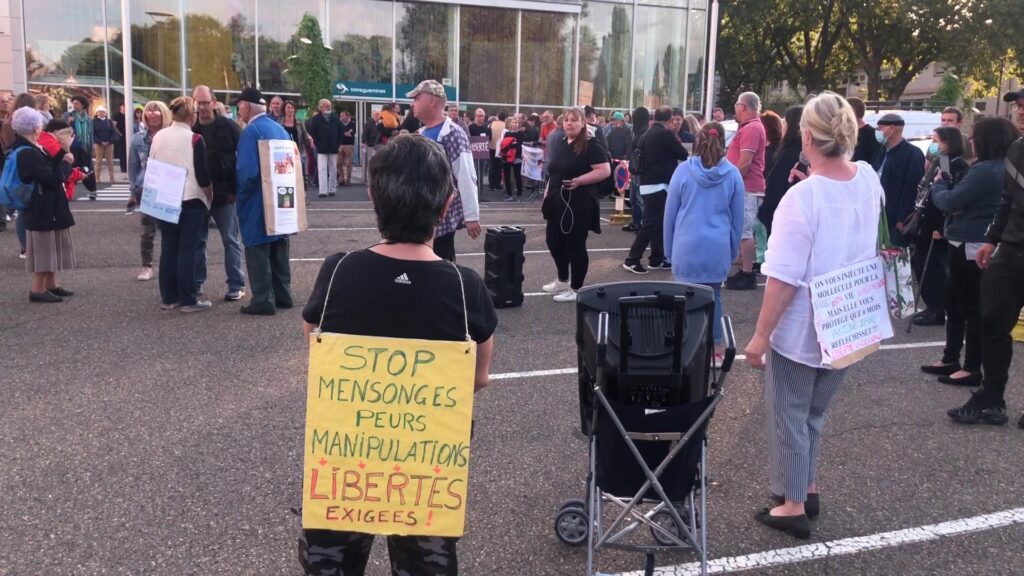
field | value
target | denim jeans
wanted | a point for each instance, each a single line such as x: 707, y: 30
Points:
x: 716, y: 318
x: 179, y: 245
x: 636, y: 201
x: 226, y: 219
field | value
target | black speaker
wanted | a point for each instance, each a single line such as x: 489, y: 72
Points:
x: 659, y: 342
x: 503, y: 265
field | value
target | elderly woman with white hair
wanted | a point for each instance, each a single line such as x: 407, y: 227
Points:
x: 823, y: 224
x: 48, y: 216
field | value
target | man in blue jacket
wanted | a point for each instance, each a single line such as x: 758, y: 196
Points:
x: 266, y: 257
x: 900, y: 166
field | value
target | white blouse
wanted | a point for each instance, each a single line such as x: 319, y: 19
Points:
x: 820, y: 226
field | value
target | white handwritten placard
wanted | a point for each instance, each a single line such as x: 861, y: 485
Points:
x: 162, y: 190
x: 851, y: 316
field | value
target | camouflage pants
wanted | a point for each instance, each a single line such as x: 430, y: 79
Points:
x: 146, y: 242
x: 330, y: 553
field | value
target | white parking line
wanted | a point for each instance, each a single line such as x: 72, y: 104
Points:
x: 739, y: 358
x: 854, y: 545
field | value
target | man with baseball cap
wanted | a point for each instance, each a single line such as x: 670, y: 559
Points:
x: 1016, y: 100
x: 428, y: 100
x: 900, y: 166
x: 266, y: 257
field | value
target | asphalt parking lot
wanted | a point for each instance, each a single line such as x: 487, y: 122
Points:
x: 138, y: 441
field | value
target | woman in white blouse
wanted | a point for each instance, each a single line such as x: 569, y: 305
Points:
x: 824, y: 223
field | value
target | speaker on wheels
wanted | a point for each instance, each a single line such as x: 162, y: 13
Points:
x: 503, y: 265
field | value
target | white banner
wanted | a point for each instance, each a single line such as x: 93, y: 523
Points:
x: 850, y: 312
x: 163, y: 188
x: 533, y: 158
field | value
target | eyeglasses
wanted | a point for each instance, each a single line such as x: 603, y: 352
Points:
x: 1015, y: 106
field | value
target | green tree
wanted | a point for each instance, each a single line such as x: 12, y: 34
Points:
x: 311, y: 68
x: 950, y: 92
x: 902, y: 37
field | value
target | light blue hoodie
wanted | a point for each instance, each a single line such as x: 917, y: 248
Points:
x: 703, y: 220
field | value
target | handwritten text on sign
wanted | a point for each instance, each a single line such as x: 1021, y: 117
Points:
x: 387, y: 435
x: 162, y: 190
x: 850, y: 310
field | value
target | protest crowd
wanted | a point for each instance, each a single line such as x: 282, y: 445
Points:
x: 783, y: 199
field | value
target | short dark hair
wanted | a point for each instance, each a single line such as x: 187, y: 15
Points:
x: 410, y: 182
x: 589, y: 111
x: 953, y: 140
x: 55, y: 125
x: 992, y: 137
x: 662, y: 114
x: 502, y: 115
x: 677, y: 111
x: 954, y: 110
x: 81, y: 100
x: 859, y: 108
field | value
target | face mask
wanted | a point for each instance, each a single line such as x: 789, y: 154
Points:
x: 880, y: 137
x: 933, y: 149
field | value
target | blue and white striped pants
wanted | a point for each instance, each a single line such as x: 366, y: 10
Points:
x: 795, y: 397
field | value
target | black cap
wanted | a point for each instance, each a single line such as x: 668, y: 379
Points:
x: 250, y: 95
x: 1013, y: 96
x: 891, y: 119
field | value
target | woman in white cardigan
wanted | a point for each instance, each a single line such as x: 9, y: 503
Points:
x: 824, y: 223
x: 179, y: 242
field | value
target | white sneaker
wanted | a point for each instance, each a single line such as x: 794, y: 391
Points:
x: 199, y: 306
x: 567, y: 296
x: 556, y: 287
x: 145, y: 274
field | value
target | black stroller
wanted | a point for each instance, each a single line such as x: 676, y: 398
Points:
x: 648, y: 386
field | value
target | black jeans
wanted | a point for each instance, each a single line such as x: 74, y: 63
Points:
x: 932, y: 280
x: 494, y: 176
x: 179, y: 246
x: 270, y: 276
x: 1002, y: 297
x: 444, y: 247
x: 508, y: 171
x: 569, y: 251
x: 963, y: 310
x: 652, y: 230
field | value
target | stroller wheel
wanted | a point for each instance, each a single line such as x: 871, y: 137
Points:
x: 574, y: 503
x: 572, y: 526
x: 664, y: 519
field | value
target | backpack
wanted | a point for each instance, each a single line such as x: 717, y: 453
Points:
x: 636, y: 157
x: 13, y: 192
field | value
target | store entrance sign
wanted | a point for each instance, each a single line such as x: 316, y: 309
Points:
x: 347, y: 89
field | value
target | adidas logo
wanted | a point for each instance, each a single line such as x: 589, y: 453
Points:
x: 403, y: 279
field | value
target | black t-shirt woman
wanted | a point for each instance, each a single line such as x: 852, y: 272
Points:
x: 400, y: 289
x: 576, y: 164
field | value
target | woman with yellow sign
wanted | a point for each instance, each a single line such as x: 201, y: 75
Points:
x: 399, y: 342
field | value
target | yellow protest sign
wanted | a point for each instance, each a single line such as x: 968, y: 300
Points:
x: 387, y: 435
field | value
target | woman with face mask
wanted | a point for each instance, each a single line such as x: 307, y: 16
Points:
x: 970, y: 205
x: 924, y: 226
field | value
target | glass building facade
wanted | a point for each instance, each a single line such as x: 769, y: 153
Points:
x: 511, y: 54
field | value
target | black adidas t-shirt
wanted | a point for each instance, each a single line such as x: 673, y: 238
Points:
x: 375, y: 295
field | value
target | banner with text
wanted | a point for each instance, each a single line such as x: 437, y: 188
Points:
x: 478, y: 144
x: 387, y: 435
x: 533, y: 160
x: 284, y: 196
x: 162, y: 190
x: 850, y: 313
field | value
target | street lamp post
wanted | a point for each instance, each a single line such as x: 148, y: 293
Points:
x: 709, y: 83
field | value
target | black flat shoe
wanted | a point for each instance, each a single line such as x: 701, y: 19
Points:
x: 795, y: 526
x: 974, y: 380
x: 45, y: 297
x: 927, y: 318
x: 257, y: 311
x: 61, y: 292
x: 812, y: 507
x: 943, y: 370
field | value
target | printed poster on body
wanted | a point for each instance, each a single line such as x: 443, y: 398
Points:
x: 162, y: 191
x: 387, y: 435
x: 284, y: 198
x: 532, y: 159
x: 851, y: 317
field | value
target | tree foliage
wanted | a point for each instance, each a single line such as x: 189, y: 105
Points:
x: 311, y: 67
x: 818, y: 44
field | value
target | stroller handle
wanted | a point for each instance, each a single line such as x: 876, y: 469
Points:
x: 730, y: 346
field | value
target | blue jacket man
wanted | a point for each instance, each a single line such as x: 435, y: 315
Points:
x: 266, y: 257
x: 900, y: 166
